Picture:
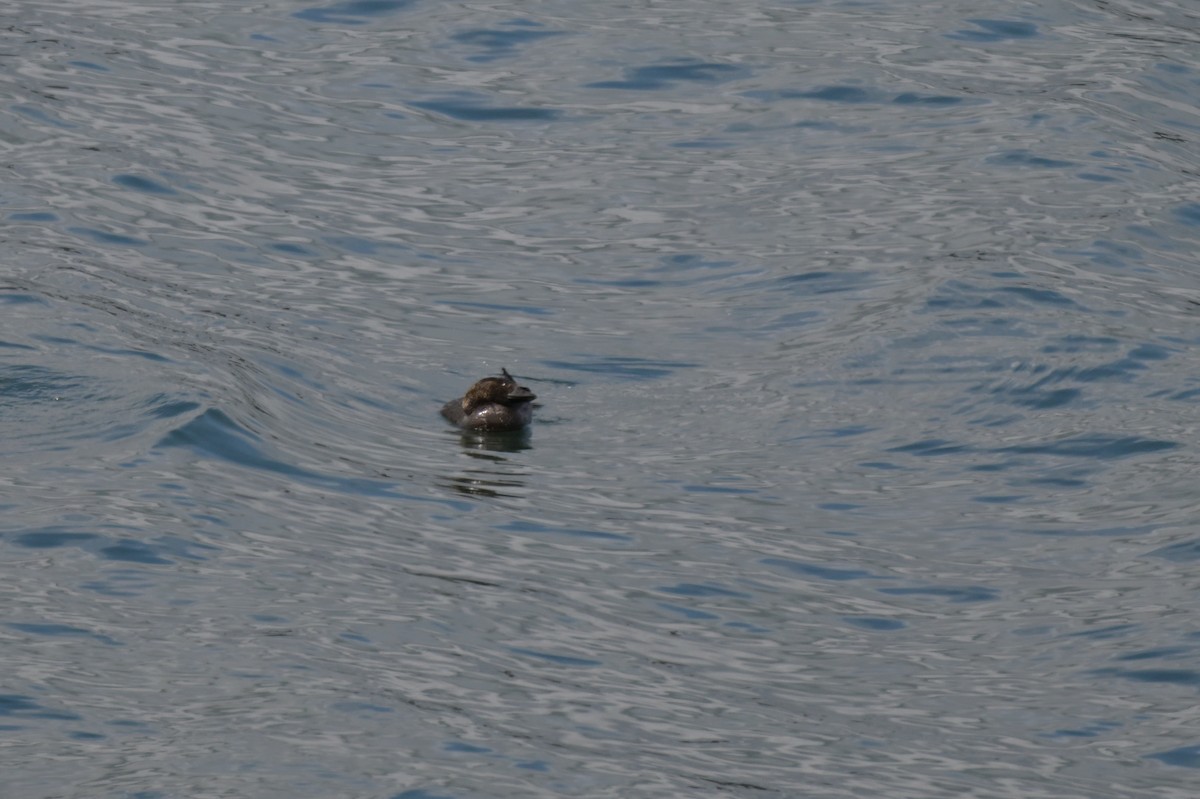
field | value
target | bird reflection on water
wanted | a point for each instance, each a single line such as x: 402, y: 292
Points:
x: 498, y: 475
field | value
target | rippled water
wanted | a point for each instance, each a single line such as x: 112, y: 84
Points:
x: 865, y: 334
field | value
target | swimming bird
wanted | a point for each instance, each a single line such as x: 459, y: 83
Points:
x: 493, y: 403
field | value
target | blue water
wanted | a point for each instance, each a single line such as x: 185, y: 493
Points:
x: 866, y: 341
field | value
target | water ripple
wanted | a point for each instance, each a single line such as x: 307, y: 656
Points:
x: 865, y: 339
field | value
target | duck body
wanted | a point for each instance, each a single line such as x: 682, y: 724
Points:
x: 492, y: 404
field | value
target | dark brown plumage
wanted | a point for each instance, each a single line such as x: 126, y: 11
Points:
x: 493, y: 403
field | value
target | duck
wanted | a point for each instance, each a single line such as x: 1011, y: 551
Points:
x: 492, y: 404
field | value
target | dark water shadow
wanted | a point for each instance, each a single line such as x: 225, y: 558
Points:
x: 472, y: 107
x: 354, y: 12
x: 994, y: 30
x: 667, y: 75
x: 497, y: 43
x: 213, y: 434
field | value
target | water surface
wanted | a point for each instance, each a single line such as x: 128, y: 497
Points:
x: 866, y: 339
